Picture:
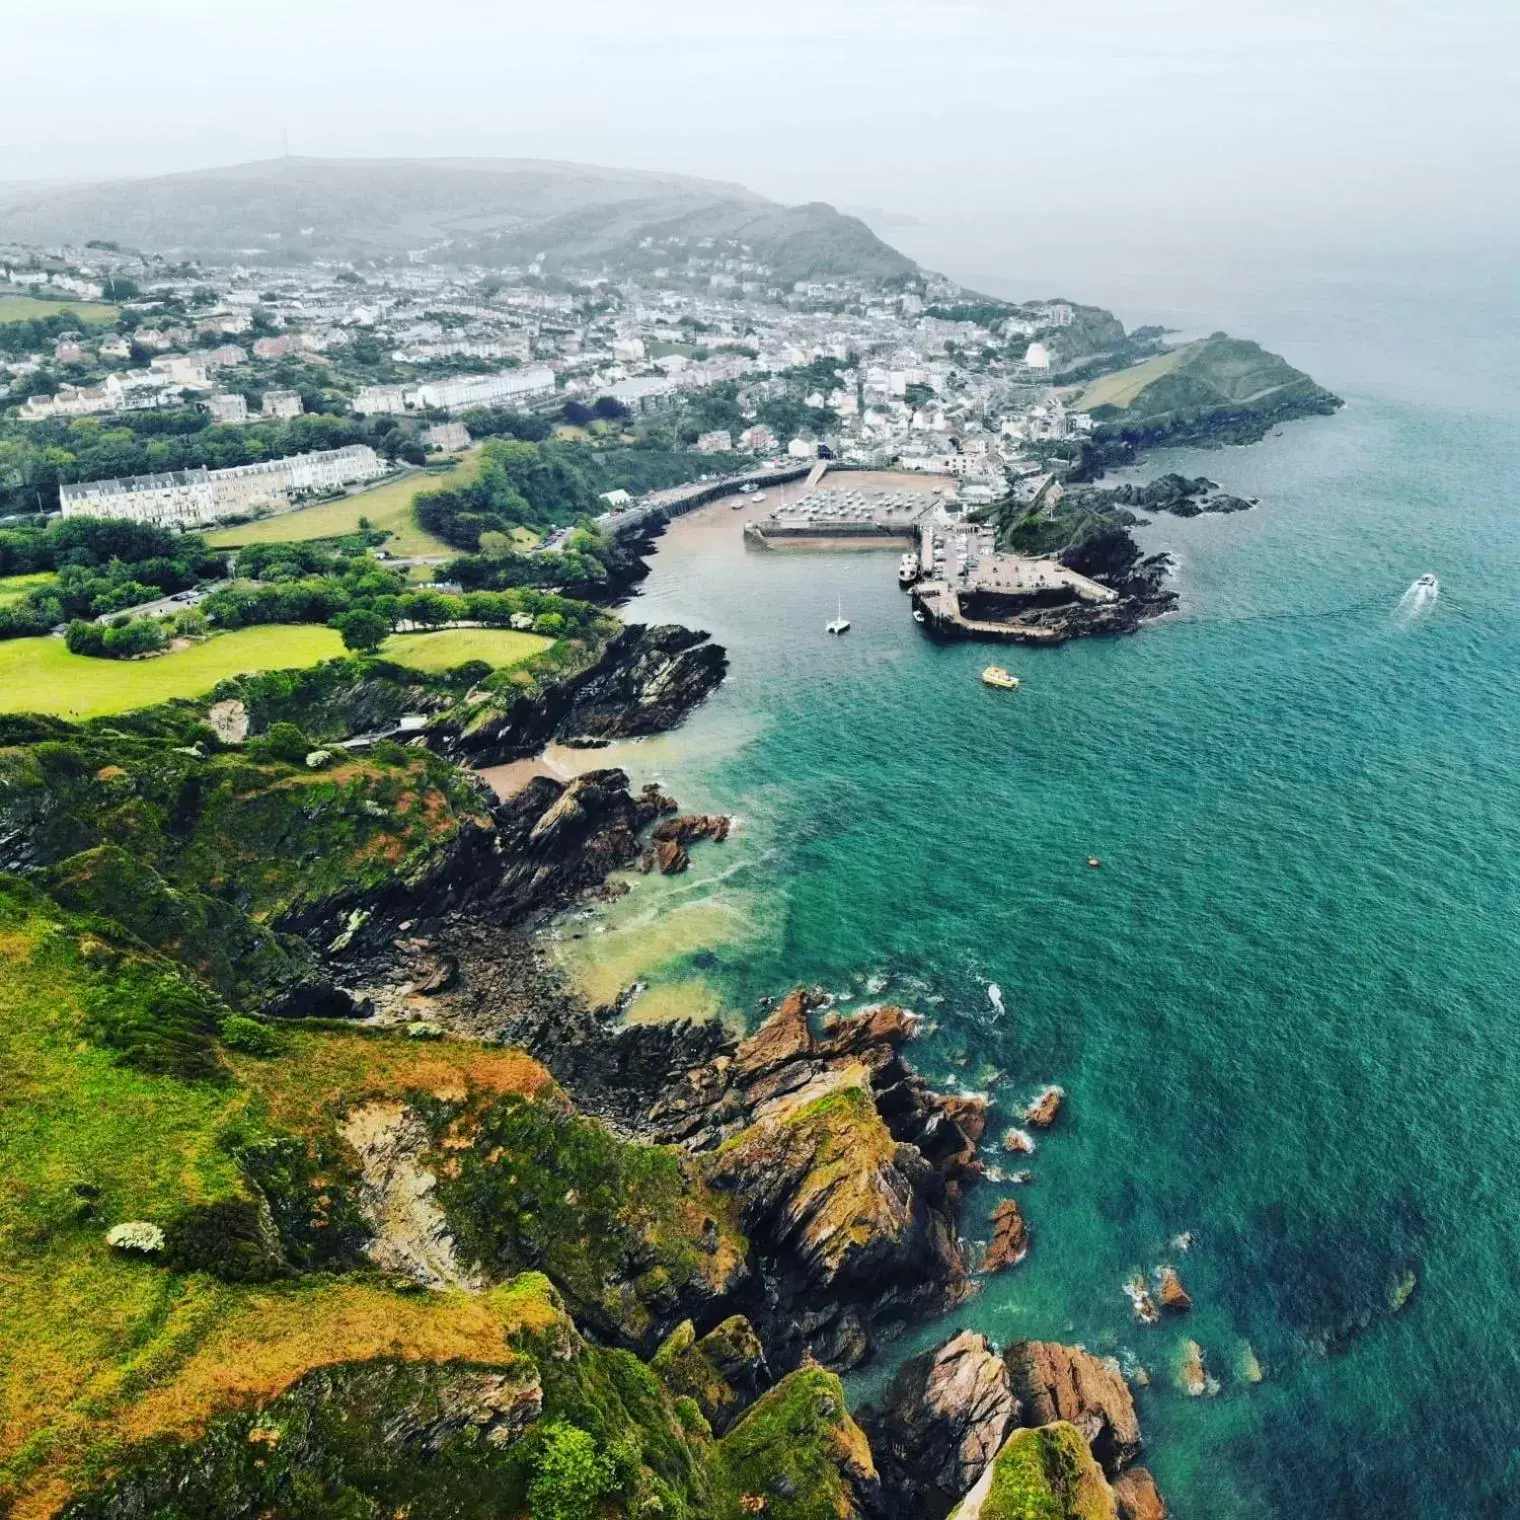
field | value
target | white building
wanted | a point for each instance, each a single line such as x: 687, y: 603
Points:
x: 719, y: 441
x: 374, y: 400
x: 230, y: 408
x: 282, y: 404
x: 628, y: 350
x: 1037, y: 356
x: 451, y: 437
x: 193, y: 498
x: 484, y: 390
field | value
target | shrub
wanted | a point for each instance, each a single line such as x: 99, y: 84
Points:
x: 226, y: 1239
x: 249, y: 1036
x: 570, y: 1479
x: 285, y: 741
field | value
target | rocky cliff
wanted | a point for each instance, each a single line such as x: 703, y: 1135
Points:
x: 646, y: 681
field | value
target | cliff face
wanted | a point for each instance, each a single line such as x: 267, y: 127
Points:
x: 646, y: 681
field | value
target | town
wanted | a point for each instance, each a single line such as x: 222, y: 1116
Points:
x: 906, y: 377
x: 259, y: 388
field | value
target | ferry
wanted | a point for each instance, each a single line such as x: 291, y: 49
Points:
x: 907, y: 570
x: 995, y: 675
x: 838, y: 624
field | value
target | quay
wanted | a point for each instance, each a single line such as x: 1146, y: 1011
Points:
x: 962, y: 586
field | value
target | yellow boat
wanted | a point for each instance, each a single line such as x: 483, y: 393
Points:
x: 995, y: 675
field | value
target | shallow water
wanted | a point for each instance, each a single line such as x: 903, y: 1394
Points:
x: 1284, y: 1009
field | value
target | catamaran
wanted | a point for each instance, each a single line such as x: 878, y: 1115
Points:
x: 840, y: 623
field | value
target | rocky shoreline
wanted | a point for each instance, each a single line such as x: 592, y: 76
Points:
x: 847, y: 1169
x: 741, y: 1218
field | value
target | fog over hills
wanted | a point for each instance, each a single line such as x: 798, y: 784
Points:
x: 489, y: 210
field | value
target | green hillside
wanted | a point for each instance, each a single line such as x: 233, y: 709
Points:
x: 1229, y: 389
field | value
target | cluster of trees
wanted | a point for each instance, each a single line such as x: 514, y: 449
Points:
x: 101, y: 566
x: 603, y: 409
x: 586, y: 560
x: 120, y: 640
x: 366, y: 602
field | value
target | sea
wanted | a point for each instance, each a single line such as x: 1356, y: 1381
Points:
x: 1285, y: 1007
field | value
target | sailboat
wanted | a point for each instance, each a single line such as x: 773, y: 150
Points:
x: 840, y: 623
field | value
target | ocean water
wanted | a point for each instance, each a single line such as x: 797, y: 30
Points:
x: 1286, y: 1009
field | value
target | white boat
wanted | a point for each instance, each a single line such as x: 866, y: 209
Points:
x: 1427, y: 583
x: 907, y: 570
x: 838, y: 624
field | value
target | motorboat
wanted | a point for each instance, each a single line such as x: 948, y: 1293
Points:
x: 995, y: 675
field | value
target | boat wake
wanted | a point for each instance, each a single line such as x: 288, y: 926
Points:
x: 995, y: 997
x: 1418, y: 601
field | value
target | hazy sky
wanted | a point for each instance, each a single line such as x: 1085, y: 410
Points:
x: 998, y: 125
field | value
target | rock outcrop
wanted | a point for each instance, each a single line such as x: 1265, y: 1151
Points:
x: 411, y: 1234
x: 1170, y: 1291
x: 668, y: 841
x: 945, y: 1418
x: 723, y: 1372
x: 1055, y: 1382
x: 847, y: 1167
x: 646, y: 681
x: 1138, y: 1497
x: 1041, y: 1113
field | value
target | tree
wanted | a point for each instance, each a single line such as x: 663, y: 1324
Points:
x: 362, y: 631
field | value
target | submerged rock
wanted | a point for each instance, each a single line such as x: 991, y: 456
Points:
x: 1140, y: 1300
x: 1010, y: 1238
x: 1138, y: 1497
x: 1195, y: 1377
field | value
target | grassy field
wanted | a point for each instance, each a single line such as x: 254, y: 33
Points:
x: 388, y: 507
x: 99, y: 1349
x: 40, y: 675
x: 14, y: 587
x: 453, y: 646
x: 26, y: 308
x: 1121, y: 388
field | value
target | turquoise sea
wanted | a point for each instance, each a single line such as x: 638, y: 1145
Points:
x: 1286, y: 1010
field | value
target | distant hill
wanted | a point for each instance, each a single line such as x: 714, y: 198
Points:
x: 506, y: 210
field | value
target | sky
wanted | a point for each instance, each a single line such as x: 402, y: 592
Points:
x: 1014, y: 134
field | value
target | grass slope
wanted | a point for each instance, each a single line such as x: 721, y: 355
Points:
x: 1120, y: 388
x: 40, y: 675
x: 388, y: 507
x: 454, y: 646
x: 27, y: 308
x: 99, y: 1350
x: 14, y: 587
